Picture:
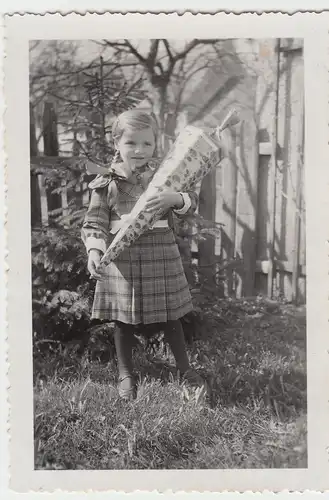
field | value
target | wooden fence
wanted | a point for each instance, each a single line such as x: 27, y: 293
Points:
x: 257, y: 194
x: 242, y: 236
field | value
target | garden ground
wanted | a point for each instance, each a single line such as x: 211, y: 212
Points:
x: 253, y: 355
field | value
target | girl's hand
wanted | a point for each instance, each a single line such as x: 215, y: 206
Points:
x: 163, y: 201
x: 94, y: 259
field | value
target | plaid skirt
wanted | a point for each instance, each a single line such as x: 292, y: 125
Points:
x: 146, y: 283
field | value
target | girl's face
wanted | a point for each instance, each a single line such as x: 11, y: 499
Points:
x: 136, y: 147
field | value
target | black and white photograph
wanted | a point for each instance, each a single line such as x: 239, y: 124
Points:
x: 167, y: 209
x: 169, y: 328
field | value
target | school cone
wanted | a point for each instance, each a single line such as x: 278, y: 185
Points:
x: 191, y: 157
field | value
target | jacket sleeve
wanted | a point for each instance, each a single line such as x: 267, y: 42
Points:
x: 96, y: 226
x: 190, y: 203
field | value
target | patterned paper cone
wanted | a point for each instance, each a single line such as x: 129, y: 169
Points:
x: 191, y: 157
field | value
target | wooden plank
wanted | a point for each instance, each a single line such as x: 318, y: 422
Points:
x: 246, y: 212
x: 272, y: 180
x: 49, y: 132
x: 295, y: 271
x: 228, y: 202
x: 35, y: 195
x: 218, y: 208
x: 35, y: 201
x: 291, y: 97
x: 262, y: 208
x: 238, y: 277
x: 33, y: 137
x: 264, y: 111
x: 288, y: 106
x: 302, y: 247
x: 43, y: 200
x: 64, y: 199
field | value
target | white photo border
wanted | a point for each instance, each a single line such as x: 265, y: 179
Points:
x: 313, y: 28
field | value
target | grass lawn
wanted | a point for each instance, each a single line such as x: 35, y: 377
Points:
x: 253, y: 355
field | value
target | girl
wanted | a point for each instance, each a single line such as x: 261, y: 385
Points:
x: 146, y: 284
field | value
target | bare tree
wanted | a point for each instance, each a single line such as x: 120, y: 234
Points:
x: 168, y: 69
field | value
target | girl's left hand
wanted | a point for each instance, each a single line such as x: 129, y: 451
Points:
x: 163, y: 201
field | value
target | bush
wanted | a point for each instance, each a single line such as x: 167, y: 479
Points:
x: 61, y: 289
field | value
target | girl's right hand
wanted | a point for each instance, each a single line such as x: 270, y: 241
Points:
x: 94, y: 259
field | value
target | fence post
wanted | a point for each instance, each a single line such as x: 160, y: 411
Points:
x: 49, y: 131
x: 50, y: 140
x: 246, y: 207
x: 64, y: 197
x: 273, y: 176
x: 35, y: 194
x: 228, y: 201
x: 299, y: 184
x: 43, y: 200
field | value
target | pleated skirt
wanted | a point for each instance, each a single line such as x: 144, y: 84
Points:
x: 145, y: 284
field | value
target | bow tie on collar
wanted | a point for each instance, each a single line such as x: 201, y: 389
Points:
x: 118, y: 170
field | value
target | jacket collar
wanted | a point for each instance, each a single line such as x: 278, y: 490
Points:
x: 117, y: 171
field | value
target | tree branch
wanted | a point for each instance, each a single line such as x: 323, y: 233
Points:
x: 91, y: 65
x: 152, y: 53
x: 167, y: 46
x: 191, y: 45
x: 135, y: 52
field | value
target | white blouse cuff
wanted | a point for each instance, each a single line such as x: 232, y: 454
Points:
x: 186, y: 206
x: 95, y: 244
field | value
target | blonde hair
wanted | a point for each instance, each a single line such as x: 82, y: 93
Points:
x: 134, y: 119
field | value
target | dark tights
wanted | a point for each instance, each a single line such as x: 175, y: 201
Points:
x: 174, y: 335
